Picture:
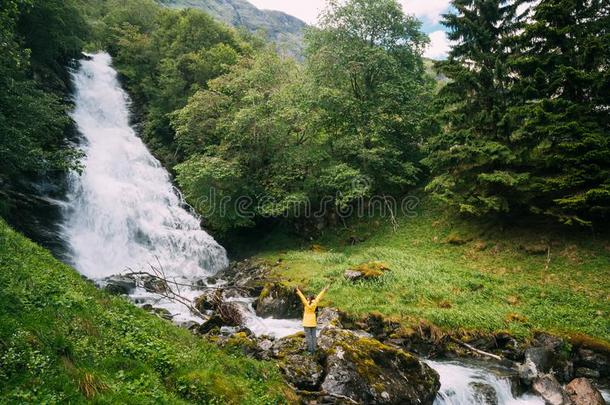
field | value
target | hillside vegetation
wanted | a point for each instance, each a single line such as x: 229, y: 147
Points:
x: 457, y: 275
x: 64, y: 341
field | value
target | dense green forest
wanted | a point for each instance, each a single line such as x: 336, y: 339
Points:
x: 520, y: 129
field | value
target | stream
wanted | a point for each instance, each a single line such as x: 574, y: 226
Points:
x: 123, y: 214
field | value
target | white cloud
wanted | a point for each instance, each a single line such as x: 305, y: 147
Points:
x: 430, y: 10
x: 305, y: 10
x: 439, y: 45
x: 308, y: 11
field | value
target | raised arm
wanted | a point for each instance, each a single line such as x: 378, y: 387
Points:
x: 321, y: 295
x: 302, y: 297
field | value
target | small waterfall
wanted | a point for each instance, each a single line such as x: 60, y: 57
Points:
x: 122, y: 211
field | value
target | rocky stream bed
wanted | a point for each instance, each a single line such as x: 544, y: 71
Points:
x: 375, y: 360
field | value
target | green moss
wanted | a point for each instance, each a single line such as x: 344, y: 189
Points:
x: 64, y: 341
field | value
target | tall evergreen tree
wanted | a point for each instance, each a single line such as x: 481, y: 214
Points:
x: 471, y: 160
x: 562, y: 120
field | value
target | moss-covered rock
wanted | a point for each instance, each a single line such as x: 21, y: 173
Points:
x: 366, y: 271
x: 302, y: 371
x: 369, y: 371
x: 279, y: 301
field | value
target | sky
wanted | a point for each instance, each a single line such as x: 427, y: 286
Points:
x: 428, y: 11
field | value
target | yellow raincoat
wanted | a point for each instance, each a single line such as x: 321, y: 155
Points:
x: 309, y: 312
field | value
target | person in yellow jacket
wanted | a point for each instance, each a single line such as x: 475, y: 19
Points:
x: 310, y: 323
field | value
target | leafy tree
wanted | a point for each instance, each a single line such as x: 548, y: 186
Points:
x: 33, y: 119
x: 371, y: 89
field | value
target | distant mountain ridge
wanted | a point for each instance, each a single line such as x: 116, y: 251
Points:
x: 284, y: 30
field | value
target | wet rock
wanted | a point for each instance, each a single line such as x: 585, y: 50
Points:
x: 586, y: 372
x: 366, y: 271
x: 368, y: 371
x: 302, y: 371
x: 541, y: 357
x: 582, y: 392
x: 484, y: 394
x: 208, y: 301
x: 592, y: 360
x: 329, y: 318
x: 154, y: 284
x: 527, y: 372
x: 550, y: 390
x: 250, y: 275
x: 279, y: 301
x: 214, y: 323
x: 120, y: 285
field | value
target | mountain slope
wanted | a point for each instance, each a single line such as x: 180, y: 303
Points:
x: 283, y: 29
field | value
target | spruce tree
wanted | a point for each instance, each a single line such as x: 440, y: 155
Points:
x: 562, y: 118
x: 471, y: 160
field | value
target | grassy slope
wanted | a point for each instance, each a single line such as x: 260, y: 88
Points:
x: 64, y: 341
x: 488, y: 284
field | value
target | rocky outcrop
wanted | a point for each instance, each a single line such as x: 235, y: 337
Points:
x: 582, y: 392
x: 550, y: 390
x: 368, y: 371
x: 248, y: 275
x: 279, y: 301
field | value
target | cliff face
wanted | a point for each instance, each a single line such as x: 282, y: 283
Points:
x: 284, y: 30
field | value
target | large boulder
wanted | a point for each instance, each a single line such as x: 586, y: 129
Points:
x: 368, y: 371
x: 550, y: 390
x: 279, y: 301
x: 541, y: 357
x: 302, y: 371
x: 582, y: 392
x: 250, y: 275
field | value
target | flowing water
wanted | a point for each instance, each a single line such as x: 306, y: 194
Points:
x: 124, y: 214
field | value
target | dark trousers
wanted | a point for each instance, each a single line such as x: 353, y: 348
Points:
x: 310, y: 337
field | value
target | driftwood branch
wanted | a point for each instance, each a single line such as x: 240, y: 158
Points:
x: 474, y: 349
x: 229, y: 312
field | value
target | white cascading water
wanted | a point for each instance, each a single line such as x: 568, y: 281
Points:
x: 459, y: 381
x: 123, y: 212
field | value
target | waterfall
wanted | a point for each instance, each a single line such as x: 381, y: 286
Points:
x: 122, y: 211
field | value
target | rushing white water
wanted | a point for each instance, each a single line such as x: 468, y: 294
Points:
x: 463, y: 384
x: 123, y: 212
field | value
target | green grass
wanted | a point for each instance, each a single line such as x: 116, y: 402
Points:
x: 64, y: 341
x: 488, y: 284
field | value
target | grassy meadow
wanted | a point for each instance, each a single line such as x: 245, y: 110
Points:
x: 459, y: 275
